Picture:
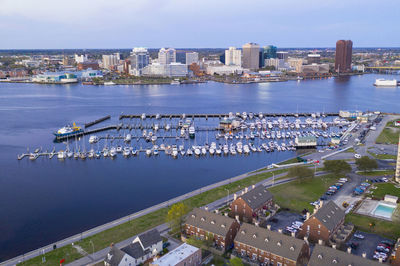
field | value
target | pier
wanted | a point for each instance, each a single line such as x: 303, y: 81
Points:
x: 97, y: 121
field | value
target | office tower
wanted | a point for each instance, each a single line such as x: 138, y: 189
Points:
x: 282, y: 55
x: 343, y: 56
x: 110, y: 60
x: 251, y: 56
x: 269, y: 51
x: 233, y: 56
x: 139, y: 58
x: 313, y: 58
x: 191, y: 58
x: 167, y: 56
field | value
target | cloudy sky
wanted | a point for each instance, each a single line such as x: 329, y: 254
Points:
x: 197, y: 23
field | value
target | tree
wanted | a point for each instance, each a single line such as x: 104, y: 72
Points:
x: 366, y: 164
x: 176, y: 215
x: 337, y: 166
x: 301, y: 172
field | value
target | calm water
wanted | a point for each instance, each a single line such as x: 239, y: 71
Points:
x: 46, y: 200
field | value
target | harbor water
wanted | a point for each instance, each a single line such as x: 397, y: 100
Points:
x: 45, y: 200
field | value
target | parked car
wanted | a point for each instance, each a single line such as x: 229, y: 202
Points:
x: 359, y: 236
x: 357, y: 156
x: 387, y: 242
x: 353, y: 245
x: 382, y: 249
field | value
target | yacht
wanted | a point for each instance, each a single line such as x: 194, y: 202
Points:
x: 113, y: 152
x: 134, y: 152
x: 167, y: 127
x: 126, y: 152
x: 119, y: 149
x: 155, y: 151
x: 212, y: 151
x: 203, y: 151
x: 174, y: 152
x: 143, y: 116
x: 128, y: 138
x: 61, y: 155
x: 189, y: 152
x: 148, y: 152
x: 218, y: 151
x: 154, y: 138
x: 197, y: 151
x: 93, y: 139
x: 192, y: 132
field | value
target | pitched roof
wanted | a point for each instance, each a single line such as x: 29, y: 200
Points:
x: 150, y: 238
x: 134, y: 250
x: 270, y: 241
x: 114, y: 256
x: 323, y: 255
x: 329, y: 215
x: 209, y: 221
x: 257, y: 197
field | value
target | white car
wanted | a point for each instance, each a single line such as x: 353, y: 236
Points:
x: 357, y: 156
x: 359, y: 236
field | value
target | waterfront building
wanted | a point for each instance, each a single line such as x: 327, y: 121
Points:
x: 305, y: 141
x: 269, y: 51
x: 192, y: 57
x: 350, y: 114
x: 167, y: 56
x: 223, y: 69
x: 323, y: 224
x: 166, y: 70
x: 267, y: 247
x: 80, y: 58
x: 110, y: 61
x: 139, y: 58
x: 313, y: 59
x: 397, y: 174
x: 142, y: 249
x: 296, y: 63
x: 184, y: 255
x: 91, y: 73
x: 247, y: 206
x: 315, y: 69
x: 275, y: 62
x: 323, y: 255
x: 88, y: 65
x: 251, y: 56
x: 55, y: 78
x: 282, y: 55
x: 343, y: 56
x: 233, y: 56
x: 208, y: 225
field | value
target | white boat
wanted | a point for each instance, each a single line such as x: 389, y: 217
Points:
x: 143, y: 116
x: 113, y: 152
x: 174, y: 152
x: 93, y: 139
x: 61, y: 155
x: 119, y: 149
x: 126, y: 152
x: 155, y: 152
x: 108, y: 83
x: 218, y: 151
x: 192, y: 132
x: 212, y: 151
x: 197, y: 152
x: 156, y: 127
x: 69, y: 154
x: 91, y: 154
x: 175, y: 82
x: 189, y: 152
x: 158, y: 116
x: 134, y: 152
x: 385, y: 83
x: 128, y: 138
x: 167, y: 127
x: 154, y: 138
x: 203, y: 151
x: 148, y: 152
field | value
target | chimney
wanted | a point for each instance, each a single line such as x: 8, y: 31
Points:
x: 380, y: 260
x: 268, y: 226
x: 334, y: 246
x: 206, y: 208
x: 237, y: 218
x: 364, y: 255
x: 307, y: 216
x: 234, y: 196
x: 280, y: 231
x: 257, y: 223
x: 246, y: 189
x: 226, y: 214
x: 293, y: 234
x: 321, y: 202
x: 216, y: 211
x: 320, y: 242
x: 305, y: 239
x: 315, y: 210
x: 349, y: 250
x: 242, y: 192
x: 253, y: 186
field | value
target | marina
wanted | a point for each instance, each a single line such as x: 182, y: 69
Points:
x: 199, y: 135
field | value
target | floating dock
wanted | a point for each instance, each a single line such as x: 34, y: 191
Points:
x: 97, y: 121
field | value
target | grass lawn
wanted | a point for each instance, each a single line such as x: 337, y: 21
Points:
x: 389, y: 134
x: 383, y: 189
x: 383, y: 156
x: 377, y: 173
x: 352, y: 150
x: 143, y: 223
x: 297, y: 195
x: 381, y: 227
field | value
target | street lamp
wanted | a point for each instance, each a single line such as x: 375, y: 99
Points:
x: 228, y: 195
x: 91, y: 242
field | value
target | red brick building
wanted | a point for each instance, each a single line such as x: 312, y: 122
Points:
x: 203, y: 224
x: 260, y: 245
x: 343, y: 55
x: 324, y: 223
x: 247, y: 205
x: 88, y: 64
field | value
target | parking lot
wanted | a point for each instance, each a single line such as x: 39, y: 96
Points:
x: 367, y: 245
x: 282, y: 219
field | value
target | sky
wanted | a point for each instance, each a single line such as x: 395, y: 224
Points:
x: 55, y: 24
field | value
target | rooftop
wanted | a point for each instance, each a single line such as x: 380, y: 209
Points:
x: 257, y: 197
x: 209, y: 221
x: 330, y: 215
x: 175, y: 256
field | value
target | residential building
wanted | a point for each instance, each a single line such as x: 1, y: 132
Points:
x: 397, y: 174
x: 80, y: 58
x: 343, y: 56
x: 262, y: 245
x: 139, y: 58
x: 142, y: 249
x: 67, y: 61
x: 247, y: 205
x: 165, y: 70
x: 192, y: 57
x: 167, y: 56
x: 323, y: 255
x: 203, y: 225
x: 251, y: 56
x: 275, y: 62
x: 282, y: 55
x: 296, y: 63
x: 313, y: 59
x: 184, y: 255
x: 110, y: 61
x: 324, y: 223
x: 88, y: 65
x: 233, y: 56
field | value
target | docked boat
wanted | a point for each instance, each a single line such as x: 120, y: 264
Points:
x: 68, y: 131
x: 192, y: 132
x: 109, y: 83
x: 128, y: 138
x: 61, y: 155
x: 189, y: 152
x: 148, y: 152
x: 385, y: 83
x: 126, y: 152
x: 119, y: 149
x: 93, y: 139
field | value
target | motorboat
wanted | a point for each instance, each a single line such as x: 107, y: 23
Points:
x: 93, y: 139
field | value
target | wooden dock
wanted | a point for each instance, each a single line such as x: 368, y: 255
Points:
x: 97, y: 121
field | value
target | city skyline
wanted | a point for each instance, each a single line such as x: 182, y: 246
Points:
x: 103, y: 24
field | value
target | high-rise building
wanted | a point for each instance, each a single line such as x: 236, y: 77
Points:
x: 344, y: 51
x: 269, y: 51
x: 192, y: 57
x: 233, y: 56
x: 251, y: 56
x: 167, y: 56
x: 110, y: 61
x: 275, y: 62
x: 80, y: 58
x: 282, y: 55
x: 397, y: 175
x: 139, y: 58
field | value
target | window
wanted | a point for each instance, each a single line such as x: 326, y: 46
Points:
x: 308, y: 228
x: 235, y: 208
x: 319, y: 232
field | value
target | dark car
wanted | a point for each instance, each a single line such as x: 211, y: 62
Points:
x: 274, y: 220
x: 323, y: 198
x: 353, y: 245
x: 387, y: 242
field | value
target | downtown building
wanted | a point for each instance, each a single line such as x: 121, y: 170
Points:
x: 139, y: 59
x: 192, y: 57
x: 343, y: 56
x: 251, y: 56
x: 233, y: 57
x: 111, y: 61
x: 167, y: 56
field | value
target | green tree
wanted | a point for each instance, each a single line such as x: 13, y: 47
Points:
x: 337, y: 166
x: 366, y: 164
x: 301, y: 172
x: 175, y: 216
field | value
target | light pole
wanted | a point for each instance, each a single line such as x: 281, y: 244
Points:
x: 228, y: 194
x: 91, y: 242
